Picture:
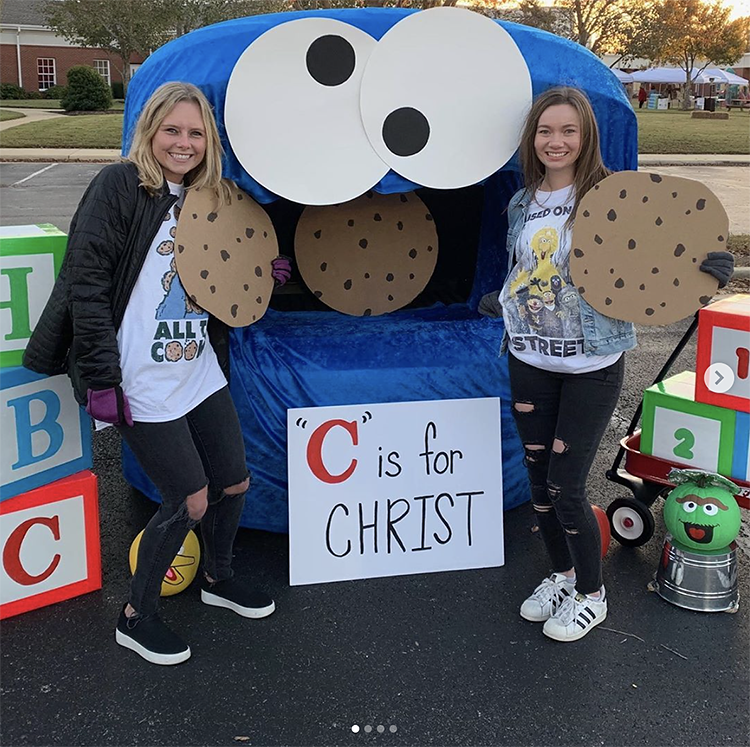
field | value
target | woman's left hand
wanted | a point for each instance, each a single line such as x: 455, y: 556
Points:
x: 720, y: 265
x: 281, y: 270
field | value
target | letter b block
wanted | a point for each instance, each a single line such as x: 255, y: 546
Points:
x: 49, y: 545
x: 45, y: 434
x: 723, y: 358
x: 30, y: 260
x: 679, y: 429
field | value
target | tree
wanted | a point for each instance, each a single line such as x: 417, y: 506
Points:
x: 187, y: 15
x: 121, y: 28
x: 687, y: 33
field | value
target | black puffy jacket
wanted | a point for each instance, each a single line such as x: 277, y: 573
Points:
x: 110, y: 235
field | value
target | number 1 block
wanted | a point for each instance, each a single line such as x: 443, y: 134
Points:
x: 679, y: 429
x: 30, y: 260
x: 723, y: 358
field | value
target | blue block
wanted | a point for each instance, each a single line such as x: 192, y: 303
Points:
x: 45, y: 434
x: 741, y: 457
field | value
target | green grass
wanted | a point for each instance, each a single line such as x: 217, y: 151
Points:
x: 6, y: 115
x: 117, y: 105
x: 85, y: 131
x: 674, y: 131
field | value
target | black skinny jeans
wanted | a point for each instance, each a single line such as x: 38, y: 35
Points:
x: 574, y: 408
x: 181, y: 457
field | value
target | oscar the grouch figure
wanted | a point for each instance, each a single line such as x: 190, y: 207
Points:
x: 701, y: 513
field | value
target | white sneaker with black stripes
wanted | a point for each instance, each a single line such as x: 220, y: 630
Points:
x: 546, y: 599
x: 576, y: 616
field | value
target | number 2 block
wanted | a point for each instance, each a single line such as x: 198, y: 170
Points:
x: 679, y: 429
x: 723, y: 357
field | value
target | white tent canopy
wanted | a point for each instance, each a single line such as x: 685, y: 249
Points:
x: 622, y: 77
x: 677, y: 75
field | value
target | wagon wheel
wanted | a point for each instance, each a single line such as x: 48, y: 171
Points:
x: 632, y: 523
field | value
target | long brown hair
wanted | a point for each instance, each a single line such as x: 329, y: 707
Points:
x: 207, y: 174
x: 589, y: 167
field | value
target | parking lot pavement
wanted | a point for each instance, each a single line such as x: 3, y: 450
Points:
x: 444, y: 657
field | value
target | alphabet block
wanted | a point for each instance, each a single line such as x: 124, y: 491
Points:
x: 30, y: 260
x: 723, y: 358
x: 45, y: 434
x: 677, y: 428
x: 49, y: 538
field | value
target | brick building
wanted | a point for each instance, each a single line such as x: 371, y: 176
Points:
x: 35, y: 58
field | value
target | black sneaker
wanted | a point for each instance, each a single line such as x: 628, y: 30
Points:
x: 234, y: 596
x: 151, y: 638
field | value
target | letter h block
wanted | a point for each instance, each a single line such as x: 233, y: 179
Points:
x: 679, y: 429
x: 45, y: 434
x: 723, y: 358
x: 30, y: 260
x: 49, y: 545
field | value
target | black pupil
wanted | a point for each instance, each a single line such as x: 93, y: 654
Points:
x: 406, y: 131
x: 331, y: 60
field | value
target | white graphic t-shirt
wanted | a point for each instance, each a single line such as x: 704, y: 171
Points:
x: 168, y: 364
x: 540, y: 304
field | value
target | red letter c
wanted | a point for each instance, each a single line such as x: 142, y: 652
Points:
x: 12, y: 551
x: 315, y: 451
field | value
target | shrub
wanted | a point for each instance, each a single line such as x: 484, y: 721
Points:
x: 11, y: 91
x: 118, y: 90
x: 87, y: 91
x: 54, y: 92
x: 33, y: 95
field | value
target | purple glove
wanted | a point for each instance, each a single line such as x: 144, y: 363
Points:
x: 281, y: 270
x: 109, y: 406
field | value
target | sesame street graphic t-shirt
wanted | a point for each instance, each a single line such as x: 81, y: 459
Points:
x: 168, y: 364
x: 540, y: 304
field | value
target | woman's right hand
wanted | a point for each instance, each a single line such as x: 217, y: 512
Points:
x: 109, y: 405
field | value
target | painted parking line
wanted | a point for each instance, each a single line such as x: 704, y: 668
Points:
x: 31, y: 176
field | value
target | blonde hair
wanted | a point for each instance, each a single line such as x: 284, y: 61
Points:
x: 589, y: 167
x: 207, y: 175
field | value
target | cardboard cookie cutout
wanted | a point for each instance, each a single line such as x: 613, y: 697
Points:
x: 638, y: 241
x: 369, y: 256
x: 224, y: 255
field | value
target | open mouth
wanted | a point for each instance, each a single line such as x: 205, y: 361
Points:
x: 554, y: 156
x: 181, y: 157
x: 702, y: 533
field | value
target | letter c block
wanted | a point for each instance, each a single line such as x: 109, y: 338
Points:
x: 49, y: 545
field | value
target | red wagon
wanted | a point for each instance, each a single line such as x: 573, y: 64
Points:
x: 631, y: 521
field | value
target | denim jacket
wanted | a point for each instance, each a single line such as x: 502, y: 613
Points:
x: 602, y: 335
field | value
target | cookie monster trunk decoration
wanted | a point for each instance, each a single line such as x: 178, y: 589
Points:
x: 698, y: 567
x: 381, y: 142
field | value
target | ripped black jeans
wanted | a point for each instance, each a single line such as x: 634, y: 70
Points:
x: 181, y: 457
x: 566, y: 414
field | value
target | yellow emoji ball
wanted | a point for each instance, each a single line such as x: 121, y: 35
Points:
x: 183, y: 569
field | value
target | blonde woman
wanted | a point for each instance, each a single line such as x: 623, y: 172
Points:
x: 145, y: 358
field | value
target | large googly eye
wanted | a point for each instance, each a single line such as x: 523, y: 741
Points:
x: 444, y: 96
x: 689, y: 506
x: 292, y: 112
x: 710, y: 509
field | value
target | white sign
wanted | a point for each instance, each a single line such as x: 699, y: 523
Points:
x: 392, y: 489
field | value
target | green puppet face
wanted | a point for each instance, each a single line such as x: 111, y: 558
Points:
x: 701, y: 513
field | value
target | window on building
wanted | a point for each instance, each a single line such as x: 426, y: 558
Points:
x: 45, y: 67
x: 102, y: 67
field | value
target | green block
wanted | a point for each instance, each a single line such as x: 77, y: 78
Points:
x: 678, y: 429
x: 30, y: 260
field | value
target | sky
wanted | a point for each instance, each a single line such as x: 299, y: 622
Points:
x: 739, y: 8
